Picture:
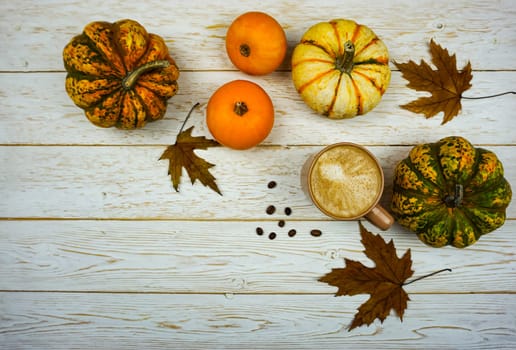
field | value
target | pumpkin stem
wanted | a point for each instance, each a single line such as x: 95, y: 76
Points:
x: 425, y: 276
x: 240, y: 108
x: 245, y: 50
x: 344, y: 63
x: 131, y: 78
x: 454, y: 200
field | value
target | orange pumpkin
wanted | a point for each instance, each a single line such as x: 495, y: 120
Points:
x: 256, y: 43
x: 240, y: 114
x: 119, y: 74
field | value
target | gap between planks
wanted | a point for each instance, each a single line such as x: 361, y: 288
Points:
x: 158, y: 219
x: 233, y: 293
x: 171, y: 220
x: 269, y: 146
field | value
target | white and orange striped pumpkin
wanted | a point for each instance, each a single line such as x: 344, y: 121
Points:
x: 341, y: 68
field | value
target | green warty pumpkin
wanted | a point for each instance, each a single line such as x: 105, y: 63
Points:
x: 450, y: 193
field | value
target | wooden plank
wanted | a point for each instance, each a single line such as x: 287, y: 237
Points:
x: 229, y: 257
x: 130, y: 182
x: 479, y: 31
x: 42, y: 113
x: 142, y: 321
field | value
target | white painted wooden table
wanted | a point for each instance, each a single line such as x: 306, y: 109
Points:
x: 98, y: 251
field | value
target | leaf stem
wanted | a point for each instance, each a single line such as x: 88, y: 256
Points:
x: 188, y: 116
x: 425, y: 276
x: 490, y: 96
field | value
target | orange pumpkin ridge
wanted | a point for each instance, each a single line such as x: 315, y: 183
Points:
x: 371, y: 42
x: 368, y: 78
x: 101, y: 36
x: 354, y: 37
x: 381, y: 61
x: 312, y: 60
x: 358, y: 94
x: 337, y: 36
x: 330, y: 109
x: 308, y: 83
x: 316, y: 44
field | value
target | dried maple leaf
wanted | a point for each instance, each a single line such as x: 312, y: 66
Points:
x: 384, y: 282
x: 181, y: 155
x: 446, y: 83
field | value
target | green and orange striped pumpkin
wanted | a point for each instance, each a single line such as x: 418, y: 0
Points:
x: 119, y: 74
x: 450, y: 193
x: 341, y: 68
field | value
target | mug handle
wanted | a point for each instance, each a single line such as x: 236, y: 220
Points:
x: 380, y: 217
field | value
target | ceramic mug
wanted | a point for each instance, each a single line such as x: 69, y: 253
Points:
x: 345, y: 181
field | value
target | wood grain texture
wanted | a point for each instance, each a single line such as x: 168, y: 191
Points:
x: 130, y: 182
x: 157, y: 321
x: 98, y: 251
x: 42, y: 113
x: 229, y: 257
x: 196, y: 39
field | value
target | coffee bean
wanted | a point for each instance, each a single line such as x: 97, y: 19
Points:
x: 272, y: 235
x: 259, y: 231
x: 281, y: 223
x: 316, y: 233
x: 271, y: 209
x: 292, y: 233
x: 271, y: 184
x: 288, y: 211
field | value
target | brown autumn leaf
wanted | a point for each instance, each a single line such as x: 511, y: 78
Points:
x: 445, y: 83
x: 384, y: 282
x: 181, y: 155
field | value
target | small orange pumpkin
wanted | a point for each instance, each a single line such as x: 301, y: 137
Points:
x: 240, y: 114
x: 256, y: 43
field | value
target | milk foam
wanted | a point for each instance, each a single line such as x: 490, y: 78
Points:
x: 345, y: 181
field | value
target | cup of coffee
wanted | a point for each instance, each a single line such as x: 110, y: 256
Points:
x: 345, y: 181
